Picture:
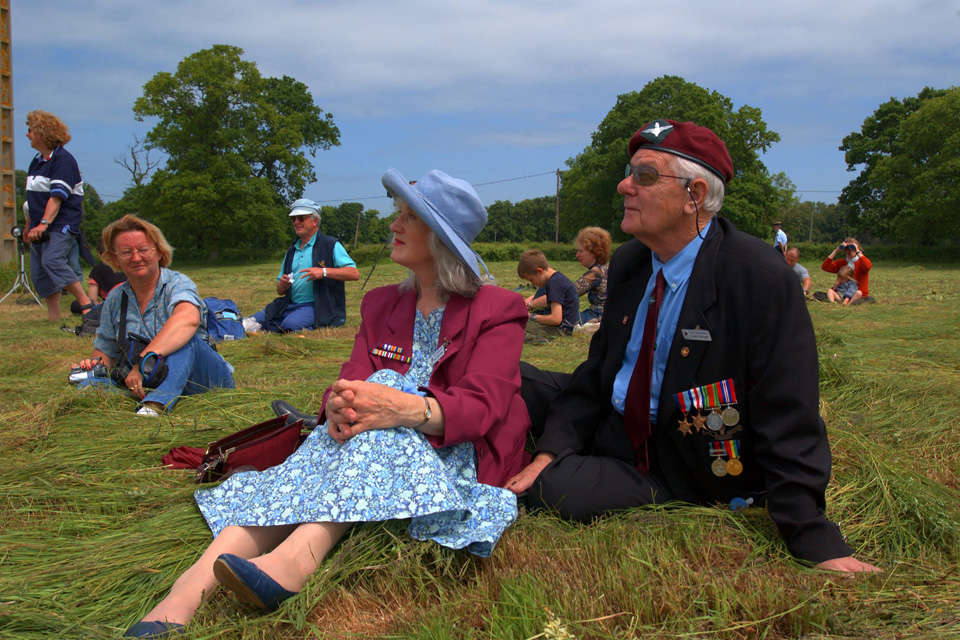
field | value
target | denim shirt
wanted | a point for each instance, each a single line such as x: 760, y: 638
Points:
x: 172, y: 289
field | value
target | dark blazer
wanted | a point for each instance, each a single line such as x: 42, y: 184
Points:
x: 476, y: 382
x: 761, y: 336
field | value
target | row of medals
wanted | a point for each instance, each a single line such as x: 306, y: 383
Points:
x: 716, y: 422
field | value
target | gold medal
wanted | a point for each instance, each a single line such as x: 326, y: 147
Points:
x: 719, y: 467
x: 734, y: 467
x: 730, y: 416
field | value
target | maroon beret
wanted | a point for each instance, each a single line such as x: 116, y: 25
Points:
x: 687, y: 140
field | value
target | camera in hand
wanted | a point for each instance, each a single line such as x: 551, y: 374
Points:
x: 79, y: 374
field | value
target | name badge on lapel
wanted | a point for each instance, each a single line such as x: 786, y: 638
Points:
x: 438, y: 354
x: 696, y: 335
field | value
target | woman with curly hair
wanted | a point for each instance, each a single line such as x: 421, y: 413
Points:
x: 593, y: 252
x: 54, y: 199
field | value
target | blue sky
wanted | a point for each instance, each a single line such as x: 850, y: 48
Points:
x: 487, y: 90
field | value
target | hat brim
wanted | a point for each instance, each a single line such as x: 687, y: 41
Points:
x: 396, y: 184
x: 302, y: 212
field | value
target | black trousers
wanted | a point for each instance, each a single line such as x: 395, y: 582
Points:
x: 539, y: 389
x: 583, y: 486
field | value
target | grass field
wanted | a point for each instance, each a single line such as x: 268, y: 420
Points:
x: 93, y: 531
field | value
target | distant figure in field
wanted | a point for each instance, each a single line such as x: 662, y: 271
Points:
x: 779, y: 238
x: 792, y: 256
x: 845, y: 289
x: 856, y: 260
x: 593, y: 252
x: 310, y: 284
x: 554, y: 291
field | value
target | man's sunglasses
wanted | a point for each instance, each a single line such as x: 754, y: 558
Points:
x: 300, y: 218
x: 647, y: 176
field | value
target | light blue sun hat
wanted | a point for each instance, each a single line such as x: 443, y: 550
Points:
x: 448, y: 206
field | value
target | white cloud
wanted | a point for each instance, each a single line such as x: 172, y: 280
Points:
x: 518, y: 74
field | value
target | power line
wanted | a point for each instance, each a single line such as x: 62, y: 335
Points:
x: 479, y: 184
x: 535, y: 175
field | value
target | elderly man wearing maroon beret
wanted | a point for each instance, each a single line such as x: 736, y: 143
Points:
x: 690, y: 391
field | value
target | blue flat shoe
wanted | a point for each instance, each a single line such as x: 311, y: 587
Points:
x: 249, y: 583
x: 154, y: 629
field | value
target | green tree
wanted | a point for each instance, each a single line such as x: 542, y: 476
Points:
x: 829, y: 222
x: 919, y: 181
x: 879, y: 138
x: 530, y: 220
x: 588, y: 194
x: 236, y: 146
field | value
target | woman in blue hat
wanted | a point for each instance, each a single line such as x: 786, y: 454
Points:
x: 426, y: 422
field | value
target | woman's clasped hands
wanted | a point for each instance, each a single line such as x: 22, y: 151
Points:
x: 355, y: 406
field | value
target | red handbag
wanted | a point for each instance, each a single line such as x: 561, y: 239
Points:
x: 258, y: 447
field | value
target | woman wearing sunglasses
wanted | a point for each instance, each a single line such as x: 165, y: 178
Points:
x: 164, y: 308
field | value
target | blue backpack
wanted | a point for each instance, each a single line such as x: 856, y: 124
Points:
x: 224, y: 321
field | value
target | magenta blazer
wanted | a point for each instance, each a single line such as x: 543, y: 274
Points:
x: 476, y: 382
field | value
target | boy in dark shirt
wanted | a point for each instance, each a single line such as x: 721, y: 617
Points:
x: 560, y: 298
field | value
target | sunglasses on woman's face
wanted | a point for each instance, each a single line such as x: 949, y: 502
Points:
x: 647, y: 176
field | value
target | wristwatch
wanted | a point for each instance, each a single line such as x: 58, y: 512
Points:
x: 46, y: 222
x: 324, y: 272
x: 427, y: 413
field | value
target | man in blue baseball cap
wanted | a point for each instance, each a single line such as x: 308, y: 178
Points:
x: 310, y: 284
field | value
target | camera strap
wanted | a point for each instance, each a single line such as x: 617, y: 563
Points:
x: 122, y: 333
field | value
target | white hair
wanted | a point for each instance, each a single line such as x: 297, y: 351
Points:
x: 453, y: 276
x: 693, y: 170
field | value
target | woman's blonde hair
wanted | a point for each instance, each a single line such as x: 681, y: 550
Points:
x: 49, y: 128
x: 133, y: 223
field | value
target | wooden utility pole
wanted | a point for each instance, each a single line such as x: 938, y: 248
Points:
x: 8, y: 197
x: 357, y: 232
x: 556, y: 224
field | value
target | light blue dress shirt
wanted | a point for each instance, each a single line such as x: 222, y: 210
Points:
x: 676, y: 273
x: 781, y: 239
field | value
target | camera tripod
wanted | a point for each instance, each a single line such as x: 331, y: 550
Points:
x: 22, y: 279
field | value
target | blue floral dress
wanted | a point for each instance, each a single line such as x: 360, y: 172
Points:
x: 382, y: 474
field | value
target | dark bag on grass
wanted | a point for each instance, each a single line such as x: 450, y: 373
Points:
x: 224, y: 321
x: 258, y: 447
x: 90, y: 322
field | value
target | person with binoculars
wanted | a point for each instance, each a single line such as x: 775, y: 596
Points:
x: 854, y: 258
x: 152, y: 337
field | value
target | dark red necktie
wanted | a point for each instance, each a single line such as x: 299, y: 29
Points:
x: 636, y: 412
